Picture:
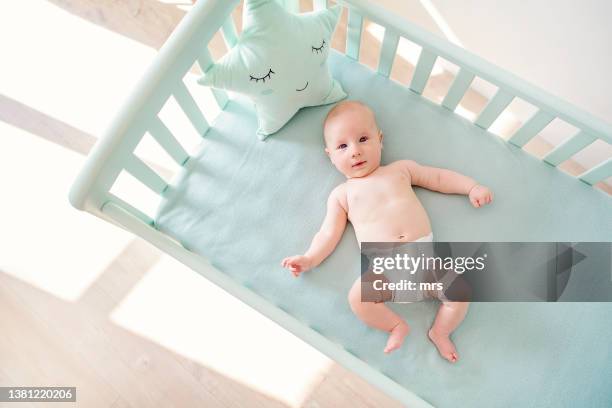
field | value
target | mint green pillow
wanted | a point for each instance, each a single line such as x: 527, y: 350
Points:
x: 280, y: 62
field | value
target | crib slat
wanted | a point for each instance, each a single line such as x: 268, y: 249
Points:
x: 190, y: 107
x: 167, y: 141
x: 145, y: 175
x: 353, y: 34
x: 460, y: 85
x: 292, y: 6
x: 228, y: 30
x: 422, y: 70
x: 493, y: 109
x: 320, y: 4
x: 205, y: 61
x: 532, y: 127
x: 568, y: 148
x: 597, y: 173
x: 387, y: 52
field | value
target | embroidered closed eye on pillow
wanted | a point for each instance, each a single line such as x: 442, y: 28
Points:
x: 280, y: 62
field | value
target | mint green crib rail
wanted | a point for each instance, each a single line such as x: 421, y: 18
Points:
x: 114, y: 152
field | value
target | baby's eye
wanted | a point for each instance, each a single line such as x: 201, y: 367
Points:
x: 319, y: 50
x: 363, y: 139
x: 342, y: 146
x: 263, y: 78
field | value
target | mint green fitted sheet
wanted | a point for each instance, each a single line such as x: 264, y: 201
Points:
x: 246, y: 204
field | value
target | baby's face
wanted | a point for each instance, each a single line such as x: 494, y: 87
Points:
x: 353, y: 142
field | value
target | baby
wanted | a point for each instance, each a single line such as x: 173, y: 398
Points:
x: 380, y: 203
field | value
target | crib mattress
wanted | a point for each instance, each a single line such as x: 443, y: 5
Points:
x: 245, y: 204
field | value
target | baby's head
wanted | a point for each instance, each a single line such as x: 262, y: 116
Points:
x: 353, y: 140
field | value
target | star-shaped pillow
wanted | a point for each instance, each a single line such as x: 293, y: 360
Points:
x: 280, y: 62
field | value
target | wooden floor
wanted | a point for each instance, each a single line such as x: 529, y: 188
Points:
x: 47, y: 339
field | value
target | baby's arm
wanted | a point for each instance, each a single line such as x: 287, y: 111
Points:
x: 325, y: 241
x: 448, y: 181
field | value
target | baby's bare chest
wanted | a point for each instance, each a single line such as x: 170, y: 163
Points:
x: 380, y: 190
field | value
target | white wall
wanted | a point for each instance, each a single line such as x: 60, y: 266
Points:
x: 562, y: 46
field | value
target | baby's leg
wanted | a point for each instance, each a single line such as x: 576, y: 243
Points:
x: 379, y: 316
x: 449, y: 316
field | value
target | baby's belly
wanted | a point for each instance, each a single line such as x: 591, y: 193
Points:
x: 393, y: 222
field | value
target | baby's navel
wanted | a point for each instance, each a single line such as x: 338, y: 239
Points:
x: 402, y: 236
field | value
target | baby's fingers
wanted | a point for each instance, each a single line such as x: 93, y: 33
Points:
x: 288, y: 261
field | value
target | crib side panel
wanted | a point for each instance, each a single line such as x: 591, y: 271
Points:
x: 114, y: 153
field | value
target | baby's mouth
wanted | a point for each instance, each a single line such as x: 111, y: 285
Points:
x: 359, y: 164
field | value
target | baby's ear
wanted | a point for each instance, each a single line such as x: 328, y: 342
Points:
x: 327, y: 151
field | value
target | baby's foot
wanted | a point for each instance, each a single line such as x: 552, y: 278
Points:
x: 396, y: 336
x: 445, y: 346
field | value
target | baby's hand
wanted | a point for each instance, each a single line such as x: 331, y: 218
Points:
x: 480, y: 195
x: 297, y: 264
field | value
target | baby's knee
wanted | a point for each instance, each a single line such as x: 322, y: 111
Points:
x: 363, y: 292
x: 455, y: 305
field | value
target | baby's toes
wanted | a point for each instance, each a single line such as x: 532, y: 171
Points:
x: 450, y: 356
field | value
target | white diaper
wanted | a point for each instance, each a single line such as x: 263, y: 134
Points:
x: 405, y: 296
x: 426, y: 238
x: 421, y: 275
x: 410, y: 292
